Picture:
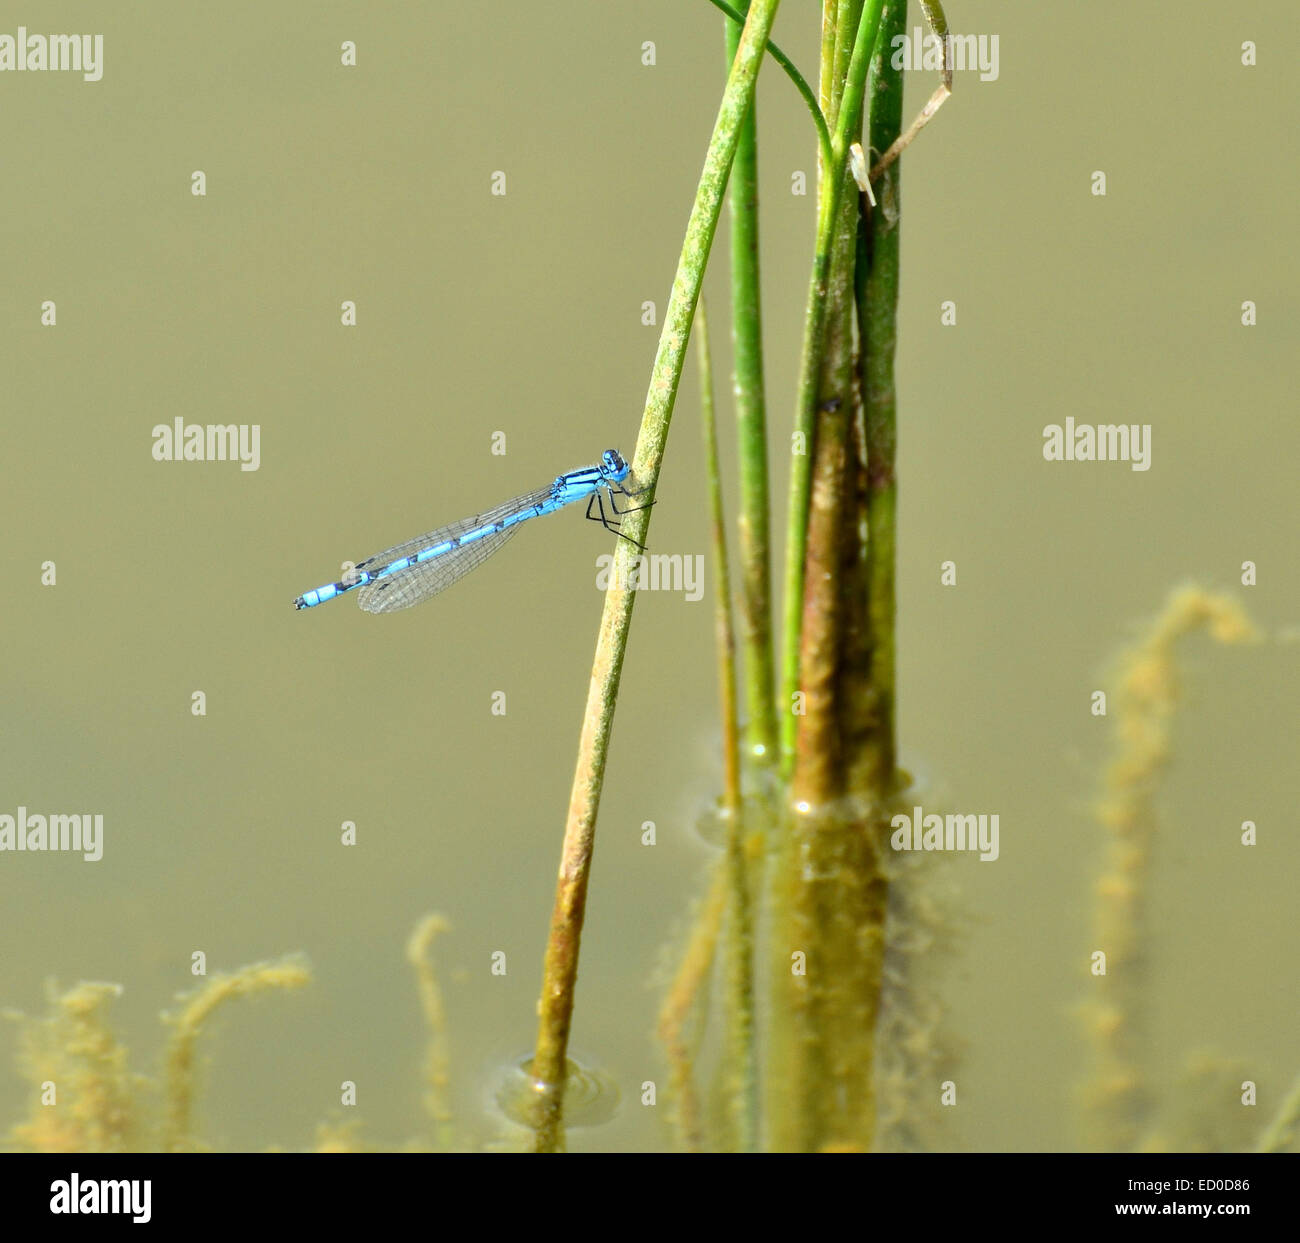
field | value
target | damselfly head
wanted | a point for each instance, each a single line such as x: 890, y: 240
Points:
x: 613, y: 466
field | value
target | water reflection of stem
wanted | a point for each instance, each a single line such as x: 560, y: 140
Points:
x: 743, y: 1094
x: 683, y: 998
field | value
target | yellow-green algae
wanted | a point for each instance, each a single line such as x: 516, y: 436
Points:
x: 85, y: 1097
x: 1119, y: 1100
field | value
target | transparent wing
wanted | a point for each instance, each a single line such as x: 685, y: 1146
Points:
x: 419, y: 582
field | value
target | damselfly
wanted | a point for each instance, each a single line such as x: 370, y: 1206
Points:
x: 411, y: 572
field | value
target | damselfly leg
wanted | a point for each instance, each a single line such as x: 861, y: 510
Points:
x: 611, y: 523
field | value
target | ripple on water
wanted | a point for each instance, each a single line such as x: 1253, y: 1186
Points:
x: 591, y: 1096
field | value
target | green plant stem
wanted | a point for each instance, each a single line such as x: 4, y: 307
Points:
x: 753, y: 523
x: 826, y: 65
x: 847, y: 15
x: 874, y: 747
x: 823, y: 134
x: 847, y: 125
x: 830, y: 604
x: 723, y: 624
x: 560, y: 967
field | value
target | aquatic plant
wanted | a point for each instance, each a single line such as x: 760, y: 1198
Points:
x: 806, y: 810
x: 1124, y: 1112
x: 84, y: 1097
x: 187, y: 1024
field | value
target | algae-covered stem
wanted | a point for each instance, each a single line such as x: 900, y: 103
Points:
x: 560, y: 968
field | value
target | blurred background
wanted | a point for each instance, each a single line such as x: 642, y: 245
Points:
x: 521, y: 315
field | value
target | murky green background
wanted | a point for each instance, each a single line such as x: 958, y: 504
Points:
x: 522, y: 315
